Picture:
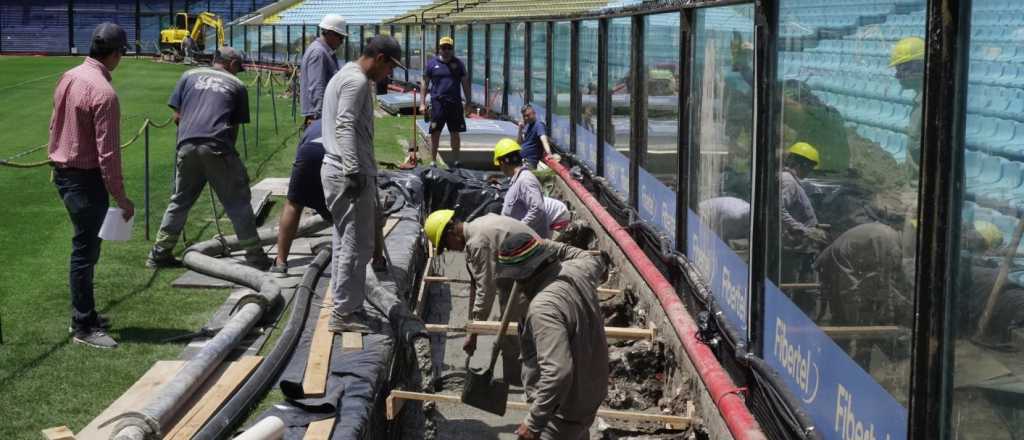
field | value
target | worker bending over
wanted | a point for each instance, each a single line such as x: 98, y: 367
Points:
x: 564, y: 349
x: 480, y: 240
x: 209, y: 104
x: 524, y: 200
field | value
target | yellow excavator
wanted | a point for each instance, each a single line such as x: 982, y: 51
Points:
x: 171, y: 39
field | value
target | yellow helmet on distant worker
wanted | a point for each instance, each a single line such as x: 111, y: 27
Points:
x: 503, y: 148
x: 906, y: 50
x: 446, y: 40
x: 807, y: 151
x: 435, y: 224
x: 990, y: 233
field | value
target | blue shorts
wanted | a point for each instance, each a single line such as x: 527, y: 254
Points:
x: 305, y: 187
x: 446, y: 113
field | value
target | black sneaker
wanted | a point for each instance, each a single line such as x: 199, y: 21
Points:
x: 279, y: 268
x: 162, y: 260
x: 355, y: 322
x: 96, y: 338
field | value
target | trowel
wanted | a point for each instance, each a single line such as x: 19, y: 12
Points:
x: 482, y: 390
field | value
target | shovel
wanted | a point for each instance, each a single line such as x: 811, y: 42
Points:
x: 482, y: 390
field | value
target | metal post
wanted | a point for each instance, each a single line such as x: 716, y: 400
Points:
x: 259, y: 95
x: 574, y: 83
x: 638, y: 122
x: 551, y: 100
x: 273, y: 43
x: 939, y: 203
x: 71, y: 26
x: 604, y: 110
x: 469, y: 59
x: 138, y: 28
x: 259, y: 59
x: 683, y: 155
x: 273, y: 100
x: 487, y: 68
x: 527, y: 63
x: 506, y: 70
x: 146, y: 180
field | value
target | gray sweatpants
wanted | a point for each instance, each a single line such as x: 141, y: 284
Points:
x: 199, y: 163
x: 355, y: 219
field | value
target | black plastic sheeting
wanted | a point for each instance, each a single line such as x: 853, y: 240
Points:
x: 470, y: 193
x: 359, y: 380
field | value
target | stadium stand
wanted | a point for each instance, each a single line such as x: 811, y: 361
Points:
x: 355, y: 11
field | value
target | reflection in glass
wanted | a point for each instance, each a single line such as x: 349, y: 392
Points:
x: 496, y: 83
x: 561, y: 71
x: 850, y: 114
x: 988, y: 322
x: 659, y: 174
x: 619, y: 89
x: 538, y: 68
x: 517, y: 72
x: 479, y: 73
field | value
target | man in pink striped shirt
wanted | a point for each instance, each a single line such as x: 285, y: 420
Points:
x: 85, y: 138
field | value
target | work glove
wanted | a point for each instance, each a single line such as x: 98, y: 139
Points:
x: 354, y: 184
x: 818, y: 236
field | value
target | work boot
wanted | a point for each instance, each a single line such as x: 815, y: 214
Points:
x: 96, y: 338
x: 258, y: 259
x: 355, y: 322
x: 162, y: 259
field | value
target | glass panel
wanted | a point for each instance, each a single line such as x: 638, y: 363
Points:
x: 281, y: 44
x: 658, y: 176
x: 561, y: 70
x: 988, y: 375
x: 462, y: 42
x: 517, y: 70
x: 586, y: 129
x: 721, y: 123
x: 496, y: 83
x: 354, y: 35
x: 619, y: 88
x: 430, y: 42
x: 479, y: 62
x: 416, y: 49
x: 850, y: 126
x: 538, y: 69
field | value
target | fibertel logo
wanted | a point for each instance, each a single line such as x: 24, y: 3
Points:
x: 797, y: 363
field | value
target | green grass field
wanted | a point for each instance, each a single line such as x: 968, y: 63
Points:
x: 45, y: 380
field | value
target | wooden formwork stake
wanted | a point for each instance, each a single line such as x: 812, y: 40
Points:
x: 394, y: 402
x: 491, y: 328
x: 58, y: 433
x: 314, y: 382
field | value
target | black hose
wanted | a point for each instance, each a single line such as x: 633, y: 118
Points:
x: 220, y: 425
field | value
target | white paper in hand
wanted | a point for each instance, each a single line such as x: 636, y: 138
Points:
x: 115, y: 227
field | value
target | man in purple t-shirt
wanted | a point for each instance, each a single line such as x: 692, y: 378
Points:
x: 444, y: 76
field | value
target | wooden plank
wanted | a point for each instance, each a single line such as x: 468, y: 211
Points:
x: 392, y: 406
x: 676, y: 422
x: 58, y: 433
x: 421, y: 296
x: 351, y: 341
x: 867, y: 331
x: 432, y: 279
x: 609, y: 291
x: 799, y: 286
x: 390, y: 224
x: 259, y: 201
x: 320, y: 430
x: 214, y: 393
x: 314, y: 382
x: 134, y: 398
x: 491, y: 328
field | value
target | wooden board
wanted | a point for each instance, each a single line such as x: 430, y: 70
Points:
x: 866, y: 331
x: 421, y: 296
x: 491, y: 328
x: 320, y: 430
x: 675, y: 422
x: 351, y: 341
x: 390, y: 224
x: 259, y: 201
x: 59, y: 433
x: 136, y: 397
x: 217, y: 389
x: 278, y: 186
x: 314, y: 382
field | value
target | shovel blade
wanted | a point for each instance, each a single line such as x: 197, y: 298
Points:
x: 484, y: 392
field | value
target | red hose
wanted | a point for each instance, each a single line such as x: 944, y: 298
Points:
x: 720, y: 386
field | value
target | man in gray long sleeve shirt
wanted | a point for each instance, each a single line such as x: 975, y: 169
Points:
x: 319, y: 64
x: 564, y: 348
x: 349, y: 176
x: 524, y: 200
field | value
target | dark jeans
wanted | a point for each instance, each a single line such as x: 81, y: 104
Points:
x: 86, y: 200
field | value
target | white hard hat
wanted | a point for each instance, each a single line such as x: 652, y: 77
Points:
x: 334, y: 22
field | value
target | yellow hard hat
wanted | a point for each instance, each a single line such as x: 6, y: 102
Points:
x: 990, y: 232
x: 906, y: 50
x: 446, y: 40
x: 807, y: 151
x: 504, y: 147
x: 435, y: 224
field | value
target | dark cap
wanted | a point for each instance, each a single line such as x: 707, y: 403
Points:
x: 521, y: 254
x: 227, y: 54
x: 109, y: 36
x: 384, y: 44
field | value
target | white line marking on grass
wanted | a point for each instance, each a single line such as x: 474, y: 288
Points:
x: 30, y: 81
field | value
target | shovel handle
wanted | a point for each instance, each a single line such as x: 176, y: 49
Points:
x: 505, y: 317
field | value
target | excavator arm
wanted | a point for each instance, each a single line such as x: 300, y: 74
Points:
x: 211, y: 20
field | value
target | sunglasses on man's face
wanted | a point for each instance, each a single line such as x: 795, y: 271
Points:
x: 446, y: 47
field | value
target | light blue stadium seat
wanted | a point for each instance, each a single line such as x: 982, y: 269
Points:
x: 972, y: 165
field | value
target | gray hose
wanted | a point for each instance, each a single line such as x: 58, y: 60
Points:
x: 148, y: 422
